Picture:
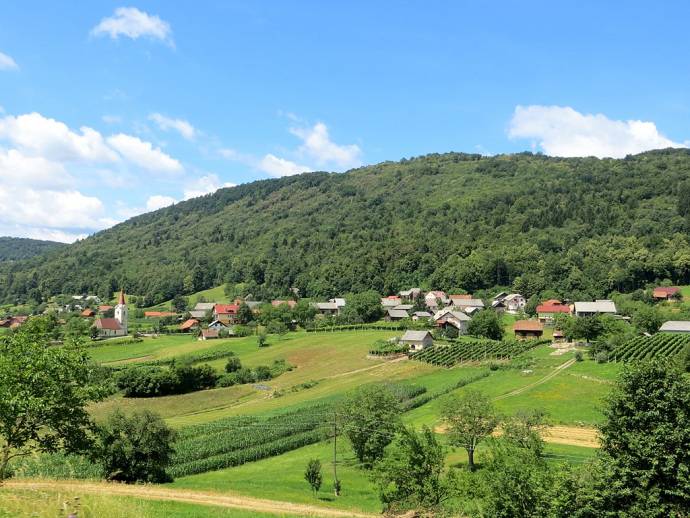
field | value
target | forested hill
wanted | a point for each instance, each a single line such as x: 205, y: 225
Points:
x: 14, y: 248
x: 580, y: 226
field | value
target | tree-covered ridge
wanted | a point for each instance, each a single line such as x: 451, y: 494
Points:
x: 578, y: 226
x: 14, y: 248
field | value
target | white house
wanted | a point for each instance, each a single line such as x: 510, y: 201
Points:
x: 514, y: 303
x: 457, y: 319
x: 417, y: 340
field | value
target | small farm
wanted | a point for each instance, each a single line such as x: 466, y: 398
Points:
x: 473, y: 351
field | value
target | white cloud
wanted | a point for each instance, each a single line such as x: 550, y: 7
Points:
x: 276, y: 166
x: 158, y: 201
x: 183, y: 127
x: 204, y: 185
x: 144, y: 154
x: 318, y: 146
x: 111, y: 119
x: 7, y: 63
x: 133, y: 23
x: 37, y: 135
x: 19, y: 170
x: 562, y: 131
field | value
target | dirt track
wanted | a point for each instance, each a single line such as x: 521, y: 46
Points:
x: 193, y: 497
x: 572, y: 435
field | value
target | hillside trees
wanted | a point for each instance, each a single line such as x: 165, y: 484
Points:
x: 486, y: 324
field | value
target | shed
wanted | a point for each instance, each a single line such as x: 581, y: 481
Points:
x: 528, y: 329
x: 417, y: 340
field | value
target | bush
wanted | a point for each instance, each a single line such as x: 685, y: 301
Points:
x: 234, y: 364
x: 262, y: 373
x: 602, y: 357
x: 136, y: 448
x: 159, y: 381
x: 578, y: 356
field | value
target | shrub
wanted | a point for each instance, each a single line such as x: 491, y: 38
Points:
x: 159, y: 381
x: 262, y: 373
x: 136, y: 448
x: 602, y: 357
x: 234, y: 364
x: 578, y: 356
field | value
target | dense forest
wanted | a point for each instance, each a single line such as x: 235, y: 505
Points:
x: 14, y: 248
x: 578, y: 227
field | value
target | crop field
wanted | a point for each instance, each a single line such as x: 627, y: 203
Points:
x: 660, y: 345
x: 473, y: 351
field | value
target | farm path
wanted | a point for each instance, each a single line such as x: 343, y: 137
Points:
x: 572, y: 436
x: 151, y: 492
x: 540, y: 381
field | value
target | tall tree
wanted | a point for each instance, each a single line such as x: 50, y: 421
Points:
x: 470, y: 419
x: 43, y: 394
x: 486, y: 324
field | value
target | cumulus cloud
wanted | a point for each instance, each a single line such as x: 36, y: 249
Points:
x: 7, y: 63
x: 317, y: 145
x: 143, y: 154
x: 133, y: 23
x: 275, y: 166
x: 204, y: 185
x: 158, y: 201
x: 183, y: 127
x: 563, y: 131
x: 37, y: 135
x: 19, y: 170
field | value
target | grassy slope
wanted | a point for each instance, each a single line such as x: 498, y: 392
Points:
x: 49, y: 504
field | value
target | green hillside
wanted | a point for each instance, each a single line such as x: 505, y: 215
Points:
x: 580, y: 226
x: 14, y: 248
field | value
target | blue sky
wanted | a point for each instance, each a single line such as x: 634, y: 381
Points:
x: 110, y: 109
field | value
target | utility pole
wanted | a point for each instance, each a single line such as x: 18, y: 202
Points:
x: 336, y: 482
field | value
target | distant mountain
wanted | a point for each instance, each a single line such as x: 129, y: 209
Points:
x: 576, y: 227
x: 14, y: 248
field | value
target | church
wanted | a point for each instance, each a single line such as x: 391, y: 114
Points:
x: 116, y: 326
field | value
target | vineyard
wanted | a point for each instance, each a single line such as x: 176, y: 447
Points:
x: 661, y: 345
x: 474, y: 350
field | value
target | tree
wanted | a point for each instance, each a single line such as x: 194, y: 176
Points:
x: 411, y: 473
x: 486, y: 324
x: 586, y: 328
x: 524, y: 430
x: 647, y: 319
x: 313, y: 475
x: 244, y: 314
x: 366, y: 305
x: 43, y: 394
x: 261, y: 340
x: 234, y: 364
x: 371, y: 417
x: 645, y: 441
x: 136, y: 448
x: 470, y: 419
x: 179, y: 304
x: 303, y: 312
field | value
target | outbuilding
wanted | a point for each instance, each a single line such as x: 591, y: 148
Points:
x: 417, y: 340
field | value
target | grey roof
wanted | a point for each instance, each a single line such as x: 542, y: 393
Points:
x: 198, y: 313
x: 397, y: 313
x: 459, y: 315
x: 340, y: 302
x: 422, y: 314
x: 204, y: 306
x: 598, y: 306
x: 512, y: 296
x: 404, y: 307
x: 389, y: 302
x: 414, y: 336
x: 326, y: 306
x: 468, y: 303
x: 676, y: 326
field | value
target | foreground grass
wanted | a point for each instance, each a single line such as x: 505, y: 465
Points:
x: 51, y: 504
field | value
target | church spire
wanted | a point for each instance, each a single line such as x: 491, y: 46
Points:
x: 122, y: 297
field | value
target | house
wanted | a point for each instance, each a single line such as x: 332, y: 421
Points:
x: 436, y: 300
x: 418, y: 315
x: 216, y: 324
x: 675, y: 326
x: 547, y: 310
x: 88, y: 313
x: 465, y: 304
x: 326, y: 308
x: 189, y: 325
x: 197, y: 313
x: 528, y: 329
x: 498, y: 306
x: 104, y: 308
x: 457, y: 319
x: 417, y: 340
x: 665, y: 293
x: 514, y: 303
x: 391, y: 301
x: 598, y: 307
x: 396, y: 314
x: 410, y: 295
x: 159, y: 314
x: 454, y: 298
x: 404, y: 307
x: 500, y: 296
x: 339, y: 303
x: 291, y: 303
x: 208, y: 334
x: 226, y: 313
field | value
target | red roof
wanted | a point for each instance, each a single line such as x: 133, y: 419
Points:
x: 104, y: 308
x: 528, y: 325
x: 209, y: 333
x: 552, y: 308
x: 188, y: 324
x: 108, y: 323
x: 226, y: 309
x: 290, y: 303
x: 665, y: 291
x: 552, y: 302
x: 121, y: 300
x: 88, y: 312
x: 155, y: 314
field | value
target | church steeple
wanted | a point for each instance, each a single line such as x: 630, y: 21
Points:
x: 121, y: 311
x: 122, y: 297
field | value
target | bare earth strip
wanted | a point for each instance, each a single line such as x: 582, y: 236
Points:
x: 572, y: 435
x: 192, y: 497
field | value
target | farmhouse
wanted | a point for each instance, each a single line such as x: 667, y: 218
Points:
x: 455, y: 299
x: 514, y: 303
x: 528, y: 329
x: 393, y: 315
x: 675, y: 326
x: 457, y: 319
x: 547, y: 310
x: 189, y: 325
x: 104, y: 308
x: 598, y: 307
x: 226, y: 313
x: 326, y: 308
x: 665, y: 293
x: 216, y: 324
x: 417, y: 315
x: 88, y: 313
x: 436, y: 299
x: 410, y: 295
x: 390, y: 302
x: 468, y: 305
x: 208, y: 334
x: 417, y: 340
